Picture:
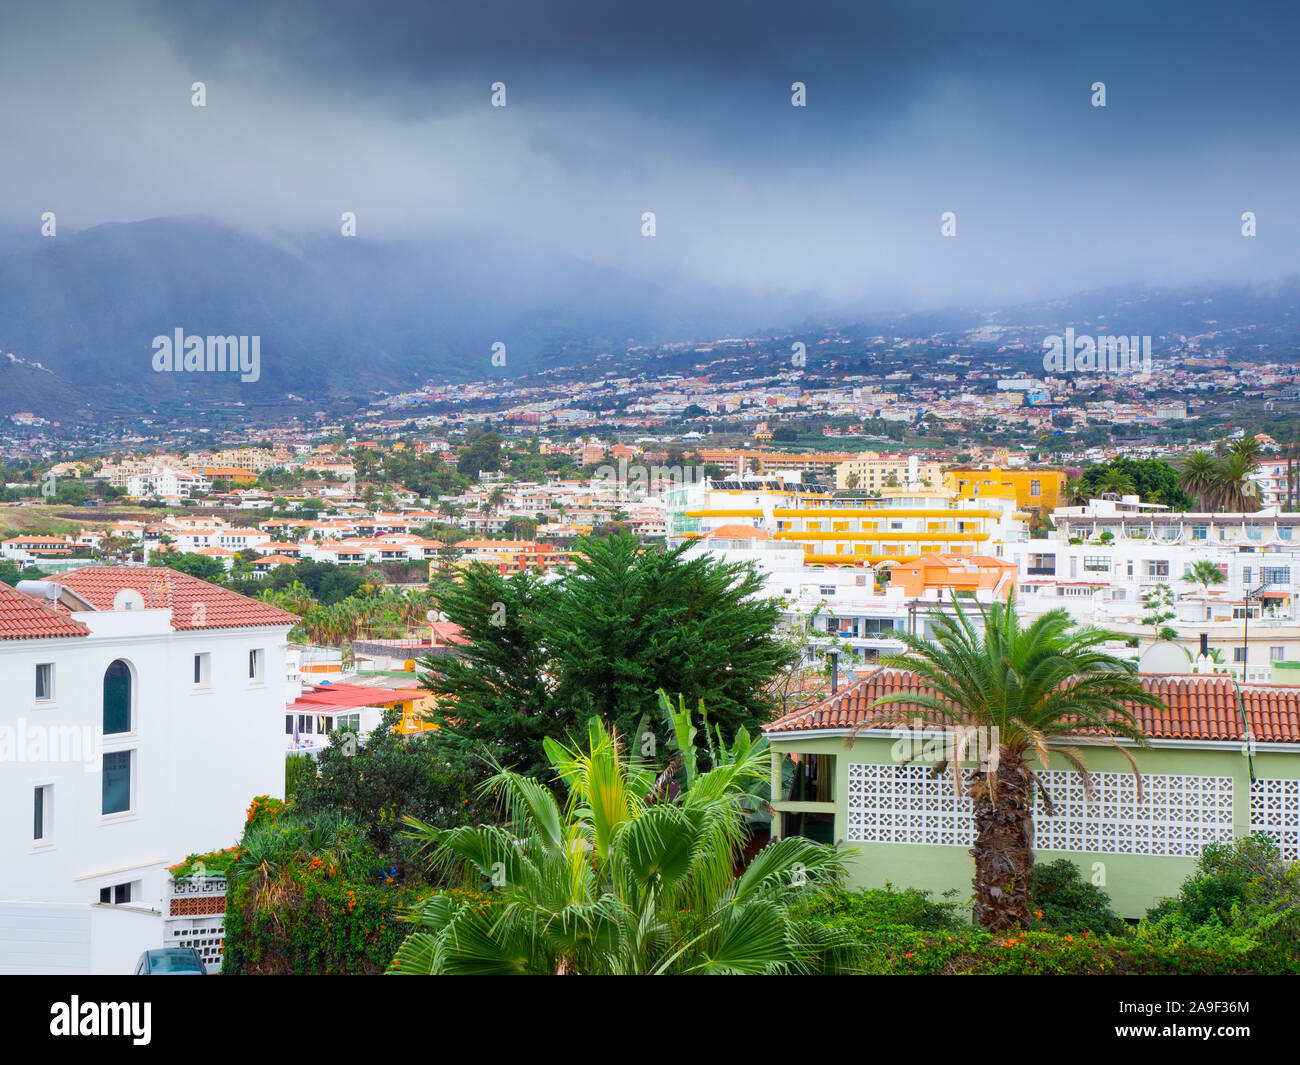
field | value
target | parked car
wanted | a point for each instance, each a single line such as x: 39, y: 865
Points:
x: 170, y: 961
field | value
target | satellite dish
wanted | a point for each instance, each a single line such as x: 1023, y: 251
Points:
x: 128, y: 599
x: 1165, y: 656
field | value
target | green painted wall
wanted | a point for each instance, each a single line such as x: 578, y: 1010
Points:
x: 1134, y: 882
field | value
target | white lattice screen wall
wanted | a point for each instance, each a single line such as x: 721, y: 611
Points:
x: 196, y: 917
x: 1275, y: 809
x: 1178, y: 815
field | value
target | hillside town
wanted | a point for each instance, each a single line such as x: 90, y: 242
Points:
x: 305, y: 580
x: 567, y: 490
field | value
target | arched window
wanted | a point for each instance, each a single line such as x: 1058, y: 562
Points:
x: 117, y: 698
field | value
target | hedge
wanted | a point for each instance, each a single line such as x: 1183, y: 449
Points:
x: 306, y: 921
x: 886, y: 922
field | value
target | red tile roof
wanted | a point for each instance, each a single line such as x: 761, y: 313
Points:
x: 25, y: 618
x: 448, y: 632
x: 350, y: 696
x: 1198, y: 707
x: 195, y: 604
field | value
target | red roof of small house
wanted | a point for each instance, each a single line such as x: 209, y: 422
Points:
x: 1198, y: 707
x: 352, y: 696
x: 25, y: 618
x: 448, y: 632
x: 195, y: 604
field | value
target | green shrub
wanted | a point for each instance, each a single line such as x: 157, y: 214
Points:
x: 1066, y: 903
x: 906, y: 932
x: 1223, y: 875
x: 307, y: 920
x: 311, y: 894
x: 213, y: 863
x: 388, y: 776
x: 880, y: 907
x: 299, y: 771
x: 1243, y: 893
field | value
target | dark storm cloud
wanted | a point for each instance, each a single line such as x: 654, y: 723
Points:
x: 864, y: 61
x: 684, y: 109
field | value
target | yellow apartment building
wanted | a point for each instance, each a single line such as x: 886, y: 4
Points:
x: 1029, y: 488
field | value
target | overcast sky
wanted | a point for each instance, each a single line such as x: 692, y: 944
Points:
x: 683, y: 108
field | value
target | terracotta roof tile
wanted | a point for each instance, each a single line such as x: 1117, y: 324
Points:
x: 346, y: 696
x: 1198, y: 707
x: 195, y: 604
x: 25, y: 618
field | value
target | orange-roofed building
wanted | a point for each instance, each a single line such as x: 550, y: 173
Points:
x: 956, y: 574
x: 737, y: 531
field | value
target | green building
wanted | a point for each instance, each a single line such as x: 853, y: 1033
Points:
x: 1223, y: 761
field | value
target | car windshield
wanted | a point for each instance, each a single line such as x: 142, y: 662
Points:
x: 178, y: 962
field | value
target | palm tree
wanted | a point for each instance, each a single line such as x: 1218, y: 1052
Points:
x: 1115, y: 482
x: 1204, y: 573
x: 1248, y: 448
x: 632, y: 875
x: 1073, y: 492
x: 1199, y: 477
x: 1239, y: 491
x: 1026, y: 688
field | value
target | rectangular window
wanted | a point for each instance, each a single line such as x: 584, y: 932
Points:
x: 44, y: 682
x: 288, y: 724
x: 117, y: 782
x: 349, y: 722
x: 1275, y: 574
x: 116, y: 894
x: 1096, y: 564
x: 1246, y: 571
x: 1239, y: 654
x: 1277, y: 654
x: 1200, y: 532
x: 42, y: 812
x: 202, y: 670
x: 1158, y: 568
x: 1035, y: 488
x: 1284, y: 532
x: 255, y: 664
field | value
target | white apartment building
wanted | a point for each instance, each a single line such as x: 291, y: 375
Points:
x: 1271, y: 476
x: 167, y: 482
x: 832, y: 607
x: 142, y: 714
x: 1106, y: 557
